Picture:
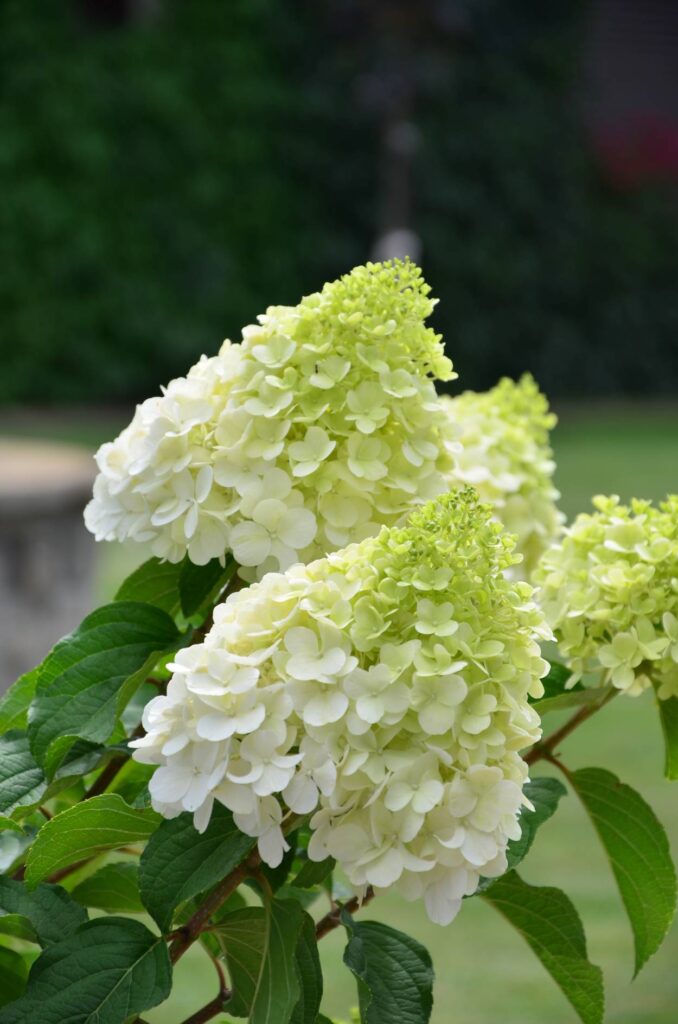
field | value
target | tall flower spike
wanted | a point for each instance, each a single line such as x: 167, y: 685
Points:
x: 317, y: 429
x: 382, y: 690
x: 609, y: 589
x: 505, y: 454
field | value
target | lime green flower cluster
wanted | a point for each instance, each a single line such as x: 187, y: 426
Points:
x: 609, y: 589
x: 505, y: 454
x: 321, y: 426
x: 382, y: 689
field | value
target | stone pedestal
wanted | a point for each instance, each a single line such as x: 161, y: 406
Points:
x: 46, y: 555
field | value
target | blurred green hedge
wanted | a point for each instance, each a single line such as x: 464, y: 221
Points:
x: 163, y: 181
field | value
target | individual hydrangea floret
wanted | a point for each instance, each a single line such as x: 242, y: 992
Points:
x: 505, y: 454
x: 609, y: 589
x: 322, y: 425
x: 382, y: 691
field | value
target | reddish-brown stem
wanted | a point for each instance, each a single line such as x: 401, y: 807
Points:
x: 210, y: 1010
x: 542, y: 751
x: 332, y: 920
x: 56, y: 876
x: 103, y: 781
x: 191, y: 930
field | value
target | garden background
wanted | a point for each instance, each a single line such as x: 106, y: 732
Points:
x: 168, y: 169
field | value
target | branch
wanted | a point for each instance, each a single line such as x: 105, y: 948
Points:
x: 332, y: 920
x: 103, y: 781
x: 188, y: 933
x: 210, y: 1009
x: 544, y: 750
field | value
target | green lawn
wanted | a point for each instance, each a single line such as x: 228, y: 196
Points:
x: 485, y: 972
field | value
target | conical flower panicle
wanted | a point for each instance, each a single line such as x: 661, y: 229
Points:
x: 322, y: 425
x: 383, y: 690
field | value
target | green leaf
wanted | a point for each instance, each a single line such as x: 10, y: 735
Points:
x: 108, y: 971
x: 549, y: 923
x: 200, y: 585
x: 578, y: 696
x: 22, y: 781
x: 15, y: 702
x: 131, y: 783
x: 17, y: 926
x: 668, y: 716
x: 9, y: 825
x: 394, y: 972
x: 13, y: 975
x: 261, y: 947
x: 638, y: 850
x: 545, y: 794
x: 22, y: 792
x: 179, y: 862
x: 102, y: 823
x: 114, y: 888
x: 88, y: 677
x: 49, y: 909
x: 243, y: 937
x: 309, y: 975
x: 306, y: 897
x: 313, y: 873
x: 155, y: 583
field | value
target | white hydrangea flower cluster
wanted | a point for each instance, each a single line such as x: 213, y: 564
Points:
x: 382, y: 690
x: 609, y: 589
x: 322, y: 425
x: 505, y: 454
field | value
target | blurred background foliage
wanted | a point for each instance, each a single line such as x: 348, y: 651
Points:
x: 169, y: 169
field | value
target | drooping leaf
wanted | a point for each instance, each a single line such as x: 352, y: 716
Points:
x: 22, y: 780
x: 13, y: 975
x: 114, y: 888
x: 638, y: 850
x: 155, y: 583
x: 102, y: 823
x: 88, y: 677
x: 261, y: 953
x: 313, y: 873
x: 668, y: 716
x: 179, y: 862
x: 394, y: 972
x: 199, y: 585
x: 50, y: 911
x: 310, y: 975
x: 551, y: 926
x: 114, y: 967
x: 15, y: 702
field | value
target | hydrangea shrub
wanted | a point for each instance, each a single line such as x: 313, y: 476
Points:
x: 327, y: 682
